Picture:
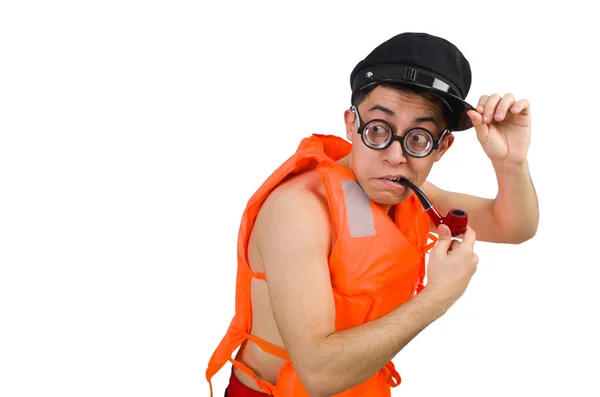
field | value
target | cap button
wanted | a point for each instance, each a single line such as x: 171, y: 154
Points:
x: 369, y: 75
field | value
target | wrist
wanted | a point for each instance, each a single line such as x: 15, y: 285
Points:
x: 510, y: 167
x: 511, y: 171
x: 436, y: 300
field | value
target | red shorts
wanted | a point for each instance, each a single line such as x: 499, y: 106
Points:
x: 238, y: 389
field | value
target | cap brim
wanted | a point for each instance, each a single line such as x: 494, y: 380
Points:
x: 411, y: 76
x: 459, y: 109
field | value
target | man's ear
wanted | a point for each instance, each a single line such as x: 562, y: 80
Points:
x: 446, y: 143
x: 351, y: 121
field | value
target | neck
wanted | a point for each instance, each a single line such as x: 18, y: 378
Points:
x: 345, y: 161
x: 387, y: 208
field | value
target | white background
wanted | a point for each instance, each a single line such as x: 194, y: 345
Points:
x: 133, y: 133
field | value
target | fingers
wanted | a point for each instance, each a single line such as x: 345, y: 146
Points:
x: 469, y: 237
x: 454, y: 245
x: 444, y: 239
x: 503, y: 107
x: 481, y: 104
x: 466, y: 239
x: 476, y: 118
x: 446, y: 243
x: 521, y: 106
x: 494, y: 107
x: 488, y: 106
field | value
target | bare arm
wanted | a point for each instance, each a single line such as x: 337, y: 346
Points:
x: 503, y: 127
x: 293, y: 236
x: 512, y: 217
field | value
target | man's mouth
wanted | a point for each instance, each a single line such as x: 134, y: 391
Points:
x: 399, y: 180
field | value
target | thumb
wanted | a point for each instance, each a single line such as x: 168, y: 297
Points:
x: 476, y: 117
x: 444, y: 239
x: 481, y: 128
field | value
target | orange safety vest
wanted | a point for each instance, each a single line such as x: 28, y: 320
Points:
x: 375, y: 264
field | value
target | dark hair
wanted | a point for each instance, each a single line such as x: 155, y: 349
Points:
x: 362, y: 94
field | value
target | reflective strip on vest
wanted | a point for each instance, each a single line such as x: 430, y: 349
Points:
x: 358, y: 210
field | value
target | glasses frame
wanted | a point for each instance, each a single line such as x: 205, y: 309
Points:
x: 400, y: 138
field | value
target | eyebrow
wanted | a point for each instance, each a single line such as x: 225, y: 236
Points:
x: 390, y: 112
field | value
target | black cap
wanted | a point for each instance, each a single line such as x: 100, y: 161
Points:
x: 423, y: 60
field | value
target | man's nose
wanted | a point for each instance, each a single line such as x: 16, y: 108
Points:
x: 394, y: 154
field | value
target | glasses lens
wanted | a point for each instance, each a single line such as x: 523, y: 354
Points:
x: 418, y: 142
x: 377, y: 134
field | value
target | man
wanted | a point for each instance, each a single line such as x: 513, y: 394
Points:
x: 331, y: 253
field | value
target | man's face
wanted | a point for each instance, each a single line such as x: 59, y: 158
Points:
x: 402, y: 111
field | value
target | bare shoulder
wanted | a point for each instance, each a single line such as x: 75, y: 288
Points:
x: 444, y: 200
x: 298, y: 204
x: 432, y: 191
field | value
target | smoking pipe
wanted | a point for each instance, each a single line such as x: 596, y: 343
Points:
x: 456, y: 219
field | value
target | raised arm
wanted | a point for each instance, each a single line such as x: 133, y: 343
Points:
x: 511, y: 217
x: 293, y: 237
x: 503, y: 127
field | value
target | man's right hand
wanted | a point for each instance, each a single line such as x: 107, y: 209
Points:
x: 451, y: 265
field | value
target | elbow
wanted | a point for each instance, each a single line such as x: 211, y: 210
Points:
x: 315, y: 382
x: 314, y: 390
x: 320, y: 370
x: 516, y: 231
x: 515, y: 228
x: 522, y: 235
x: 528, y: 236
x: 317, y: 377
x: 528, y: 231
x: 321, y: 385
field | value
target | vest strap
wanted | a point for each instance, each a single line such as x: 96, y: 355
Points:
x: 425, y: 250
x: 269, y: 347
x: 266, y: 346
x: 257, y: 275
x: 392, y: 377
x: 262, y: 384
x: 431, y: 244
